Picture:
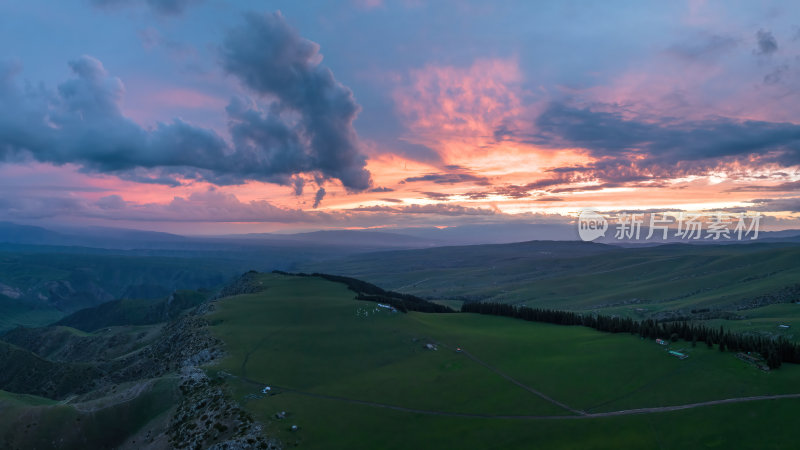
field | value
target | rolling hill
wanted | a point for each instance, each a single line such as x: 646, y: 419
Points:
x: 279, y: 360
x: 349, y: 374
x: 670, y: 281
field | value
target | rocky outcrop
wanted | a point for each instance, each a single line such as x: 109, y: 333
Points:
x: 208, y: 418
x: 246, y: 284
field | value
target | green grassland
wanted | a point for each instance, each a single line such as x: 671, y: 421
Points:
x: 724, y: 281
x: 327, y: 356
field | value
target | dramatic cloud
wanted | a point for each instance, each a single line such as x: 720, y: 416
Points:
x: 308, y: 130
x: 464, y: 120
x: 311, y: 113
x: 81, y: 122
x: 665, y: 142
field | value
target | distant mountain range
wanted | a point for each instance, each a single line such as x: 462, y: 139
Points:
x: 355, y: 241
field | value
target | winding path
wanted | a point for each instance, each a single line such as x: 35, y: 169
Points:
x: 576, y: 414
x: 583, y: 415
x: 523, y: 386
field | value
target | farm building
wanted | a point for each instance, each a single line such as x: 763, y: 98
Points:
x: 679, y: 355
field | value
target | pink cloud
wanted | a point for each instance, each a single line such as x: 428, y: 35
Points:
x: 451, y: 101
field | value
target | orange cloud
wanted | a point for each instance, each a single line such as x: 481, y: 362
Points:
x: 442, y: 103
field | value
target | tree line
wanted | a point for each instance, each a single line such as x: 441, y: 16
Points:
x: 774, y: 350
x: 371, y: 293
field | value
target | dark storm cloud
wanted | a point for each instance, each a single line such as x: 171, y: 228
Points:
x: 81, y: 123
x: 766, y: 43
x: 273, y: 60
x: 309, y: 130
x: 667, y: 141
x: 163, y: 7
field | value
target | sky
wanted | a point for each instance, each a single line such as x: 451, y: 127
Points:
x: 216, y: 117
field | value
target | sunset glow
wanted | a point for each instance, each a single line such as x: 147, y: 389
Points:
x: 155, y: 122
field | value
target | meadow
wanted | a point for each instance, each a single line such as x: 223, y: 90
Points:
x: 350, y: 374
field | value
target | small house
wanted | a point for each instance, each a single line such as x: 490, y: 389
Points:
x: 678, y: 355
x: 389, y: 307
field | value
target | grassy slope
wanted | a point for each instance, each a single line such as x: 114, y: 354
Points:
x: 670, y: 276
x: 26, y: 372
x: 309, y: 342
x: 15, y: 312
x: 304, y: 333
x: 60, y: 343
x: 635, y: 282
x: 35, y: 422
x: 133, y: 311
